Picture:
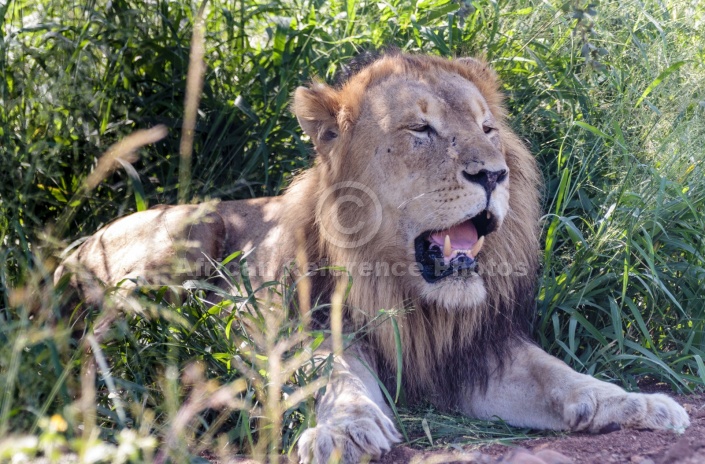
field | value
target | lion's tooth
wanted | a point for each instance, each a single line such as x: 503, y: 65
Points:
x: 489, y: 215
x: 477, y: 246
x: 447, y: 249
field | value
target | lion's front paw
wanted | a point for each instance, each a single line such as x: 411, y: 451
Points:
x: 349, y: 439
x: 608, y: 408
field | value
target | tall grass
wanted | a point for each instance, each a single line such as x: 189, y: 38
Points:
x: 610, y: 98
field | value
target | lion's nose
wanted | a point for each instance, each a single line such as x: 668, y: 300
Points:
x: 487, y: 179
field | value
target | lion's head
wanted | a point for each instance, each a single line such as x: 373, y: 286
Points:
x: 420, y: 168
x: 423, y: 191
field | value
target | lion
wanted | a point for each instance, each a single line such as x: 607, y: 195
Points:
x: 423, y: 192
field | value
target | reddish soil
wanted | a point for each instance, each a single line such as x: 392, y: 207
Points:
x: 623, y: 446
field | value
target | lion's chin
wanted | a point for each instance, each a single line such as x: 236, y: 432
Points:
x: 455, y: 293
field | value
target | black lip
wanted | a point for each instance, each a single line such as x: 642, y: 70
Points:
x: 433, y: 267
x: 483, y: 224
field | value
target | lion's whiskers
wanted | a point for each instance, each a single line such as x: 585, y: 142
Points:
x: 406, y: 202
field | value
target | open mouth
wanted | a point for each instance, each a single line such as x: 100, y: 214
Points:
x: 453, y: 251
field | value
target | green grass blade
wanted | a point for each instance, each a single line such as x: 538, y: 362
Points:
x: 400, y: 357
x: 655, y: 83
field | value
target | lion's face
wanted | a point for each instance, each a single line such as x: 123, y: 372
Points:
x: 430, y: 151
x: 435, y: 161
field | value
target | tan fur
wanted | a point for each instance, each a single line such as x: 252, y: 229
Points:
x: 377, y: 183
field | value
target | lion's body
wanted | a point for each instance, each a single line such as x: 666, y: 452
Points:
x: 409, y: 150
x: 170, y: 244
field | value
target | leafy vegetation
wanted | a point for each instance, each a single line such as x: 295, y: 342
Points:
x: 609, y: 96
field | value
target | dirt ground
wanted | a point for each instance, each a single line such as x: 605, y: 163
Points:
x: 622, y: 446
x: 619, y: 447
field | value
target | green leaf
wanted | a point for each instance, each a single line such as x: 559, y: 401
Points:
x: 617, y: 323
x: 592, y: 129
x: 400, y: 357
x: 230, y: 257
x: 639, y: 320
x: 136, y: 184
x: 666, y: 72
x: 427, y: 430
x: 701, y: 366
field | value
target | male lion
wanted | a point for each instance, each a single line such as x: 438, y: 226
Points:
x: 421, y: 190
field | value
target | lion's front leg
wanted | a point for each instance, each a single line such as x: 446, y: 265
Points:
x: 540, y: 391
x: 353, y: 420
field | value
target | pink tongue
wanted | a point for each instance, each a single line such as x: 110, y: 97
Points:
x: 462, y: 237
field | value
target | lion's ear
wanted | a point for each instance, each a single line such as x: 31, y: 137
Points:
x: 317, y: 108
x: 479, y: 68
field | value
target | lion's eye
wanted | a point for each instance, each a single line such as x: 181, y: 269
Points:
x: 421, y: 128
x: 486, y: 128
